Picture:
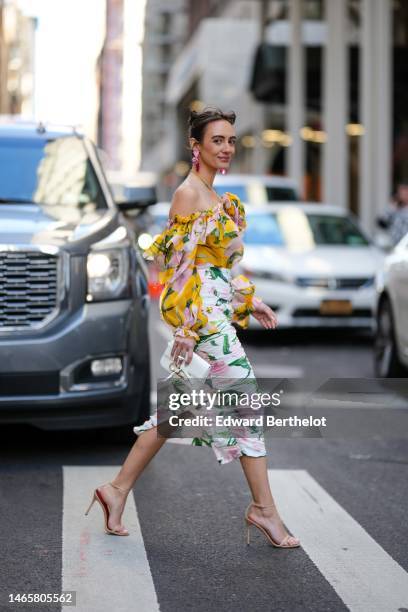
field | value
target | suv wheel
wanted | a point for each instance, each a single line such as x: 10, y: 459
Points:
x: 386, y: 361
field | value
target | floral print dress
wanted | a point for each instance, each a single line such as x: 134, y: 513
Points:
x: 201, y: 299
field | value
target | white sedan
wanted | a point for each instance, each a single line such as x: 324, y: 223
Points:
x: 391, y: 338
x: 311, y: 264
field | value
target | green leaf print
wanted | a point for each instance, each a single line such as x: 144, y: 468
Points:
x: 231, y: 442
x: 200, y: 442
x: 233, y: 257
x: 221, y: 301
x: 216, y: 273
x: 226, y: 347
x: 241, y: 362
x: 231, y: 234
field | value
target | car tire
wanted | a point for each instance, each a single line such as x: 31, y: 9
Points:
x: 386, y: 360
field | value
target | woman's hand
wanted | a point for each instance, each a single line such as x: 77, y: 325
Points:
x: 182, y: 347
x: 264, y: 315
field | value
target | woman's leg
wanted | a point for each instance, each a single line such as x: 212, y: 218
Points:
x: 143, y: 450
x: 256, y: 472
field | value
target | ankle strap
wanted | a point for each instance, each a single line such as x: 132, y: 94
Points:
x: 120, y: 488
x: 262, y: 506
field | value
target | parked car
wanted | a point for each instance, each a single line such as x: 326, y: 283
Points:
x: 312, y: 265
x: 391, y: 335
x: 74, y: 350
x: 258, y: 189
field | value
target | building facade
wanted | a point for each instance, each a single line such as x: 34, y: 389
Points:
x: 166, y: 28
x: 319, y: 87
x: 17, y: 43
x: 120, y: 81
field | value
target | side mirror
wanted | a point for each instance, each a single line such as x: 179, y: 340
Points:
x: 382, y: 223
x: 134, y: 198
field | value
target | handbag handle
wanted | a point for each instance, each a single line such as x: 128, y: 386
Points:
x: 176, y: 370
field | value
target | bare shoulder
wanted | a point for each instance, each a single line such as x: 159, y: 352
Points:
x: 184, y: 201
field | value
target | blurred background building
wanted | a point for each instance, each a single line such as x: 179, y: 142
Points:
x: 17, y: 41
x: 119, y: 82
x: 319, y: 87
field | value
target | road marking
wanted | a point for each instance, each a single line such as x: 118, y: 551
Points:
x: 263, y: 370
x: 108, y: 572
x: 362, y: 573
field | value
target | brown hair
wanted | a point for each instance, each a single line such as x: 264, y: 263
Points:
x: 198, y: 121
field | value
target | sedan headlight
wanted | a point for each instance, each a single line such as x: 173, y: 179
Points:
x: 108, y: 275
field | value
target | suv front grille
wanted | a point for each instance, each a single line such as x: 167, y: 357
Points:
x: 28, y: 288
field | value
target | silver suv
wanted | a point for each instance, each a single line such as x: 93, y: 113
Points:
x: 74, y: 350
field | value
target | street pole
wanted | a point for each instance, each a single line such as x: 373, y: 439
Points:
x: 258, y: 159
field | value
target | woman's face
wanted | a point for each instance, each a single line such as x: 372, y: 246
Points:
x: 218, y: 144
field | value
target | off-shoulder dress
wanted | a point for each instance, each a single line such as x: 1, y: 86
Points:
x: 201, y: 298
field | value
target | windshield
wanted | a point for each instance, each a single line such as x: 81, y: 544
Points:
x: 263, y: 229
x: 281, y: 194
x: 258, y: 193
x: 238, y: 190
x: 54, y: 173
x: 301, y: 231
x: 329, y: 229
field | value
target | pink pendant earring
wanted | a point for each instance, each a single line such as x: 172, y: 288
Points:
x: 223, y: 171
x: 195, y: 159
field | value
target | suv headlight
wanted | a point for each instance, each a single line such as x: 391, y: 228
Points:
x: 108, y: 275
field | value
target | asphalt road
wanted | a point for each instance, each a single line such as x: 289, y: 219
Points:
x: 190, y: 510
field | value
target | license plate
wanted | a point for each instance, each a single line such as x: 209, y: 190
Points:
x: 333, y: 307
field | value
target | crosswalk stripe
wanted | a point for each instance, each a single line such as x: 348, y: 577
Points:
x: 107, y: 572
x: 362, y: 573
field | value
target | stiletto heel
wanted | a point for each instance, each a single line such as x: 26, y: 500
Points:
x: 265, y: 531
x: 91, y: 504
x: 98, y: 497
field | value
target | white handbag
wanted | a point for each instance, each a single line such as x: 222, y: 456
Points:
x: 198, y: 367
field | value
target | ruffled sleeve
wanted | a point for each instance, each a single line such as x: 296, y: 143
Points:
x: 244, y: 299
x: 174, y: 251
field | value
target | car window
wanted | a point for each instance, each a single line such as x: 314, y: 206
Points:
x: 54, y: 173
x: 238, y: 190
x: 297, y: 230
x: 281, y: 194
x: 332, y: 230
x: 259, y: 193
x: 263, y: 229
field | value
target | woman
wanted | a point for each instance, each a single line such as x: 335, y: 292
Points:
x: 200, y: 299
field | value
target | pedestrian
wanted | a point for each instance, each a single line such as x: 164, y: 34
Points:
x: 398, y: 227
x: 200, y: 301
x: 395, y: 217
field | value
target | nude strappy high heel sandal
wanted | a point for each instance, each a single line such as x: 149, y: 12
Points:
x: 249, y: 522
x: 98, y: 497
